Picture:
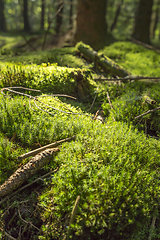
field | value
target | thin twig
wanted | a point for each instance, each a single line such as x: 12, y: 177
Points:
x: 36, y: 99
x: 27, y: 221
x: 49, y: 25
x: 149, y: 111
x: 110, y: 104
x: 51, y: 145
x: 8, y: 235
x: 20, y: 93
x: 33, y: 48
x: 127, y: 78
x: 93, y: 102
x: 152, y: 226
x: 109, y: 100
x: 73, y: 215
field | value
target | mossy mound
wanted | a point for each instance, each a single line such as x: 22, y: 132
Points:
x: 136, y: 59
x: 131, y: 102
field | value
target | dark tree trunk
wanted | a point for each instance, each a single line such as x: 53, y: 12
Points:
x: 155, y: 22
x: 59, y: 17
x: 42, y: 14
x: 26, y: 27
x: 113, y: 26
x: 2, y: 17
x: 71, y: 14
x: 143, y: 20
x: 91, y: 23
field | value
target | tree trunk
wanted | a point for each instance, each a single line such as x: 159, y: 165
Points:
x: 26, y: 27
x: 91, y: 23
x: 143, y: 20
x: 59, y: 17
x: 42, y: 14
x: 71, y: 14
x: 2, y: 17
x: 155, y: 18
x: 113, y: 26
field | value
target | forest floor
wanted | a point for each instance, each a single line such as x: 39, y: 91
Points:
x: 104, y: 184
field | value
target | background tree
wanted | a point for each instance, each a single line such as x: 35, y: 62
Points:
x: 91, y: 23
x: 71, y: 14
x: 2, y: 17
x: 59, y: 17
x: 155, y: 19
x: 142, y: 21
x: 118, y: 10
x: 42, y: 14
x: 26, y: 27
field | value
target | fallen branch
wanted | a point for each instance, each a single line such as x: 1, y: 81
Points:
x: 152, y: 110
x: 29, y: 44
x: 26, y: 221
x: 145, y: 45
x: 36, y: 151
x: 128, y: 78
x: 25, y: 172
x: 9, y: 236
x: 101, y: 60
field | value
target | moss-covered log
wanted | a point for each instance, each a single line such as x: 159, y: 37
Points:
x: 101, y: 60
x: 23, y: 173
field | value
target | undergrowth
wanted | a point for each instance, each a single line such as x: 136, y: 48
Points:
x: 113, y: 167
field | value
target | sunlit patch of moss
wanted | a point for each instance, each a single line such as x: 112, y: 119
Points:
x: 135, y: 58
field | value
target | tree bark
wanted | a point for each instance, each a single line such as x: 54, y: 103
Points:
x: 91, y: 23
x: 113, y: 26
x: 42, y: 14
x: 71, y: 14
x: 26, y: 27
x: 143, y: 20
x: 59, y: 17
x: 2, y: 17
x: 155, y: 21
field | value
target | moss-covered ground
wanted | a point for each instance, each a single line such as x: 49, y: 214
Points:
x: 113, y: 167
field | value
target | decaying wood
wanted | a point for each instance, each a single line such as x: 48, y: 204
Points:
x: 36, y: 151
x: 23, y: 173
x: 101, y: 60
x: 148, y: 100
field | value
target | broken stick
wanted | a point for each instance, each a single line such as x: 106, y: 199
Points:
x: 36, y: 151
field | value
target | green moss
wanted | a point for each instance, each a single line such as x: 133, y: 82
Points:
x: 136, y: 59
